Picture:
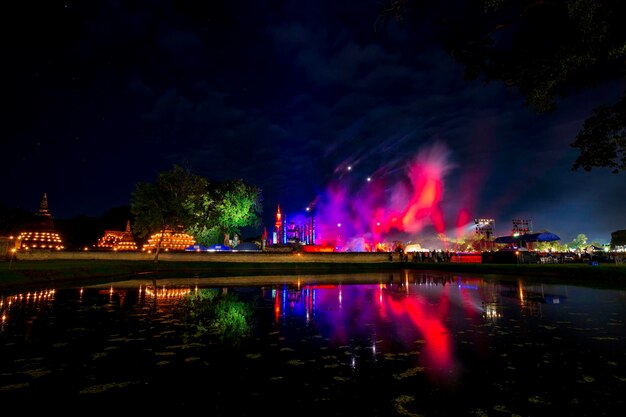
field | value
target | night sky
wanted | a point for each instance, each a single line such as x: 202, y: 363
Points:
x: 304, y: 99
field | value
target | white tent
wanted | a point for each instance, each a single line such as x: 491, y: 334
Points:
x: 413, y: 247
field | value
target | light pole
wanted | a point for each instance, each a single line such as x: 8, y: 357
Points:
x: 338, y: 244
x: 12, y: 256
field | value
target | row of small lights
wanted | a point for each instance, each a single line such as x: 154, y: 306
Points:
x: 176, y: 241
x: 34, y: 297
x: 114, y: 241
x: 47, y: 237
x: 41, y: 237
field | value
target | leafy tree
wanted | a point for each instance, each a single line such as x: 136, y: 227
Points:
x: 167, y: 203
x: 12, y: 219
x: 596, y: 244
x: 240, y: 206
x: 579, y: 242
x: 618, y: 238
x: 602, y: 140
x: 545, y: 50
x: 181, y: 200
x: 473, y: 242
x: 552, y: 247
x: 206, y: 235
x: 204, y: 226
x: 225, y: 209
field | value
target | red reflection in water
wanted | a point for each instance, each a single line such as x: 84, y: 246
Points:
x: 389, y: 317
x: 436, y: 351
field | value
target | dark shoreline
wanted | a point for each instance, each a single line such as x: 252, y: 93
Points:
x: 25, y: 274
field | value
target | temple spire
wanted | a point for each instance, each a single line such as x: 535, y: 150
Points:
x: 43, y: 207
x: 40, y: 233
x: 278, y: 226
x: 279, y: 216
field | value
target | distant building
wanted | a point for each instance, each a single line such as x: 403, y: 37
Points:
x: 292, y: 233
x: 40, y: 233
x: 117, y: 240
x: 277, y: 235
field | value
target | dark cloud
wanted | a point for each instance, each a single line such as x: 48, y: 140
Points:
x: 284, y: 95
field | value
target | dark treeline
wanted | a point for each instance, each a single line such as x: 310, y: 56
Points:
x: 12, y: 218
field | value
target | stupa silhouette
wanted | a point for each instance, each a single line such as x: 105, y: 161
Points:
x: 40, y: 232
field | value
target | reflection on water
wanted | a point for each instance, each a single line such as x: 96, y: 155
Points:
x: 411, y: 343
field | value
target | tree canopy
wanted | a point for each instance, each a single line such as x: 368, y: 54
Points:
x: 618, y: 238
x: 182, y: 201
x: 13, y: 218
x: 225, y: 209
x: 546, y: 50
x: 167, y: 203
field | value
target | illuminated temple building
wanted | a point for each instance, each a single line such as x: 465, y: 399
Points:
x: 117, y: 240
x: 40, y: 233
x: 171, y: 241
x: 285, y: 233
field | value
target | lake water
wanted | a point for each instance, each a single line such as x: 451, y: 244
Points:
x: 410, y: 343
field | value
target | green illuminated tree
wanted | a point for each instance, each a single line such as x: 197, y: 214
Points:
x: 579, y: 242
x: 180, y: 200
x: 239, y: 205
x: 552, y: 247
x: 206, y: 235
x: 167, y: 203
x: 225, y: 209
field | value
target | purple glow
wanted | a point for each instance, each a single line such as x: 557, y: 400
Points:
x: 383, y: 208
x: 412, y: 315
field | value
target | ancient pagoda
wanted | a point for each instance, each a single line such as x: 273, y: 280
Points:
x: 117, y: 240
x: 170, y: 241
x: 40, y: 233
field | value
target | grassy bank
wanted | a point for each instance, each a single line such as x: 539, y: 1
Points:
x: 22, y: 274
x: 53, y: 272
